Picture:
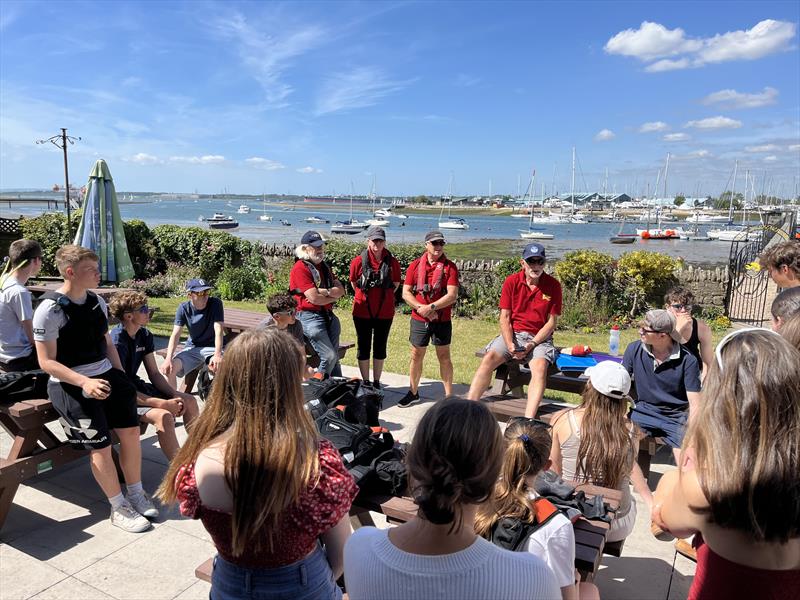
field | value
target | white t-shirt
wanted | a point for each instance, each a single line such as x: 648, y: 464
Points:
x: 376, y: 569
x: 15, y: 307
x: 554, y: 543
x: 49, y: 318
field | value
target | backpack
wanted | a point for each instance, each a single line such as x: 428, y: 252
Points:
x: 23, y: 385
x: 205, y: 378
x: 360, y: 404
x: 511, y: 533
x: 387, y: 474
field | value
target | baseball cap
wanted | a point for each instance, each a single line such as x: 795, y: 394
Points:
x: 610, y: 379
x: 533, y: 251
x: 376, y: 233
x: 662, y: 321
x: 312, y: 238
x: 197, y: 285
x: 433, y: 236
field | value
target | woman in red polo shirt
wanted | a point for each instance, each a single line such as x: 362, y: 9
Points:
x: 373, y: 306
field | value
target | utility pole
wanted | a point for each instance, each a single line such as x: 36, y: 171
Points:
x: 61, y: 141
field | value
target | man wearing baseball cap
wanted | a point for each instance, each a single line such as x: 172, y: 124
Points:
x: 316, y: 289
x: 203, y: 316
x: 430, y: 289
x: 530, y: 303
x: 667, y: 379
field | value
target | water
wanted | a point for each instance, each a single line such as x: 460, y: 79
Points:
x: 411, y: 230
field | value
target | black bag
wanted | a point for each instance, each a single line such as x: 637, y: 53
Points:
x: 315, y: 407
x: 205, y: 378
x: 23, y: 385
x: 388, y: 474
x: 362, y: 404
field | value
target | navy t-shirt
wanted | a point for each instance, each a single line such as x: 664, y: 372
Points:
x: 200, y: 322
x: 132, y: 350
x: 661, y: 390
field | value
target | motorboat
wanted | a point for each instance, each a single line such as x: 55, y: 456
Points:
x: 349, y: 227
x: 243, y: 209
x: 285, y: 223
x: 536, y: 235
x: 384, y: 213
x: 403, y: 217
x: 265, y: 217
x: 220, y: 221
x: 578, y: 218
x: 658, y: 233
x: 378, y: 222
x: 316, y: 220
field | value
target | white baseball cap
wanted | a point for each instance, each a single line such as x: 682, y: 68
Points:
x: 610, y: 379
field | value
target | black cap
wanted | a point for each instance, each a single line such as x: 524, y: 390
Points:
x: 433, y: 236
x: 312, y: 238
x: 533, y: 251
x: 376, y: 233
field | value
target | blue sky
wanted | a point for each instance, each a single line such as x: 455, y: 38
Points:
x: 309, y: 97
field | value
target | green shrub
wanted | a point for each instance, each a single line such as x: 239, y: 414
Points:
x: 582, y: 310
x: 170, y: 283
x: 141, y: 248
x: 589, y: 268
x: 241, y: 283
x: 50, y: 230
x: 643, y: 277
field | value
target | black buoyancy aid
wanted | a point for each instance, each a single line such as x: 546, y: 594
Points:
x: 435, y: 290
x: 511, y: 533
x: 321, y: 274
x: 382, y: 278
x: 82, y: 340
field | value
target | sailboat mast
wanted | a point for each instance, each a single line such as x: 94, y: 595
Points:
x: 572, y: 185
x: 733, y: 193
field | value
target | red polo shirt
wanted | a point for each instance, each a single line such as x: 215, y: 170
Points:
x: 530, y: 309
x: 450, y: 278
x: 300, y: 279
x: 364, y: 303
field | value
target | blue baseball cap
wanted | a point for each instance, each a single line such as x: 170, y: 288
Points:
x: 533, y: 251
x: 197, y: 285
x: 312, y: 238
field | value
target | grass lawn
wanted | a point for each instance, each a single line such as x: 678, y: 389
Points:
x: 469, y: 335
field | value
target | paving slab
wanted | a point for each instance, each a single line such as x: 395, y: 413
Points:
x: 71, y: 588
x: 22, y: 576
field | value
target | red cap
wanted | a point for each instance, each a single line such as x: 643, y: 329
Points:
x: 615, y: 327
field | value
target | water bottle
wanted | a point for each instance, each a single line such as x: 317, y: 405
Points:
x: 613, y: 341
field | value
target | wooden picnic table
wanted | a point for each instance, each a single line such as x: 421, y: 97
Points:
x: 106, y: 293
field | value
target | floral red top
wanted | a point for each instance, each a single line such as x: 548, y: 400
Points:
x: 320, y: 507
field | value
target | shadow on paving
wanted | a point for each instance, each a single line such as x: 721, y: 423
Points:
x: 643, y: 578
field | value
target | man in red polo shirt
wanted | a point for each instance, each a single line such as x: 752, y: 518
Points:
x: 430, y: 289
x: 530, y: 304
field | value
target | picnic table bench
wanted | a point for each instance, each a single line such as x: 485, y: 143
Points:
x: 590, y: 535
x: 34, y: 450
x: 106, y: 293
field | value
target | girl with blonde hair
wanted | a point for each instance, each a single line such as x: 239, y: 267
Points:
x: 267, y: 489
x: 738, y: 480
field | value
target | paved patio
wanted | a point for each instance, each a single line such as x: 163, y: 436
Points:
x: 58, y: 543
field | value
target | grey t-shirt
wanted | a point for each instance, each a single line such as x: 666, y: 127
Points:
x: 295, y: 329
x: 15, y: 307
x: 49, y: 318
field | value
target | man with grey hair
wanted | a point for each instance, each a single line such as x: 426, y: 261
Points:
x: 667, y: 379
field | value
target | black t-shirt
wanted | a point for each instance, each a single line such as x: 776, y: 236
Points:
x: 132, y: 350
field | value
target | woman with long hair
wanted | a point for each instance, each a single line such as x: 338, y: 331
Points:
x: 596, y: 443
x: 738, y: 482
x: 551, y: 538
x: 453, y: 465
x: 267, y: 489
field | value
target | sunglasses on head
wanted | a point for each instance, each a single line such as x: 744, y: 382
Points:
x: 528, y: 421
x: 681, y: 306
x: 534, y: 261
x: 144, y: 309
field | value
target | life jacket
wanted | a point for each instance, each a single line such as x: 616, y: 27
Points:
x: 431, y: 291
x: 82, y: 340
x: 511, y: 533
x: 320, y: 275
x: 382, y: 278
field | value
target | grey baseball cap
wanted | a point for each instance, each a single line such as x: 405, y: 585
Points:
x: 376, y: 233
x: 433, y: 236
x: 662, y: 321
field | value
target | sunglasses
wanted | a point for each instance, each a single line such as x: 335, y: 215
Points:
x: 687, y: 307
x: 534, y: 261
x: 144, y: 309
x: 437, y: 243
x: 724, y: 341
x: 285, y: 313
x: 643, y: 330
x: 528, y: 421
x: 201, y: 294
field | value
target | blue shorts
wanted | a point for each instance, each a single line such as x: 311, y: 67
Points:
x: 671, y: 430
x: 193, y: 357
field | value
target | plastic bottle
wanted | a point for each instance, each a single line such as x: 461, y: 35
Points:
x: 613, y: 341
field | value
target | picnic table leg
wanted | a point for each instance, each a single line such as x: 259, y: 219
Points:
x: 8, y: 488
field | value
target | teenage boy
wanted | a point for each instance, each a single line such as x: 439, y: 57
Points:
x: 159, y: 404
x: 282, y: 313
x: 16, y: 309
x: 430, y: 289
x: 695, y: 334
x: 87, y: 386
x: 783, y: 263
x: 203, y: 316
x: 530, y: 303
x: 785, y: 306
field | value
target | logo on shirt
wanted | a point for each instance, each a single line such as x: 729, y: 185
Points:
x: 139, y: 348
x: 38, y: 331
x: 546, y: 298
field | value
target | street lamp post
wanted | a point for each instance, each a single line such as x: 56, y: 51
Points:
x: 60, y: 141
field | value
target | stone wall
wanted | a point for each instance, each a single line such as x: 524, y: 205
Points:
x: 708, y: 285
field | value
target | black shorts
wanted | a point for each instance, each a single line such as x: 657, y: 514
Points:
x: 87, y: 421
x: 423, y: 332
x: 148, y: 389
x: 26, y: 363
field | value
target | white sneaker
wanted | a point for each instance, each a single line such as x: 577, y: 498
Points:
x: 125, y: 517
x: 142, y: 504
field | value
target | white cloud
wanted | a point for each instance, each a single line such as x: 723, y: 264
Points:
x: 699, y: 154
x: 653, y: 126
x: 718, y: 122
x: 208, y: 159
x: 675, y: 137
x: 309, y: 169
x: 671, y: 49
x: 464, y: 80
x: 142, y: 158
x: 771, y: 158
x: 264, y: 164
x: 794, y: 147
x: 604, y: 135
x: 363, y: 86
x: 734, y: 99
x: 764, y: 148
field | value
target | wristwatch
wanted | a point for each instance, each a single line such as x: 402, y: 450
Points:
x: 433, y: 306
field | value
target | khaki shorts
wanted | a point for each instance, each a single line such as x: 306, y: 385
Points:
x: 544, y: 350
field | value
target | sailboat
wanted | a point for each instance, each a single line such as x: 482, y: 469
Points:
x: 658, y: 233
x: 349, y: 226
x: 730, y: 233
x: 532, y: 234
x: 623, y: 238
x: 377, y: 219
x: 264, y: 216
x: 451, y: 222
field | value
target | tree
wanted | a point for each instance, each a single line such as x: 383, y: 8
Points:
x: 679, y: 200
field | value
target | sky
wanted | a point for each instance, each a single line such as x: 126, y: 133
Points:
x: 317, y: 98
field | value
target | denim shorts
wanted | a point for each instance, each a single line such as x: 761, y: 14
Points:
x: 309, y: 578
x: 545, y: 350
x: 192, y: 357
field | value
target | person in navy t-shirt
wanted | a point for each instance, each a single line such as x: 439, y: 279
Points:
x: 159, y: 404
x: 202, y: 315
